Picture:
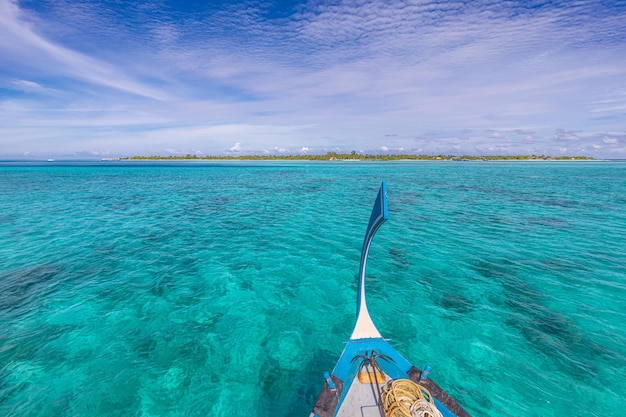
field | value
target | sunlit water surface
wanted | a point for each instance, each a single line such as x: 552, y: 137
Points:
x: 226, y: 289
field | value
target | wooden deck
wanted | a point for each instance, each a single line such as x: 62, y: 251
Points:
x: 363, y: 396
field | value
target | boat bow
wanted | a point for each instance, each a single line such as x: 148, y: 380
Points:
x: 363, y: 380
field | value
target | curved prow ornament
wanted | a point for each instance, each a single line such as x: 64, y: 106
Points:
x: 365, y: 327
x: 371, y: 377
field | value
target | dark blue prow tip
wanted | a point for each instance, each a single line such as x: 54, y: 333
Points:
x: 380, y: 213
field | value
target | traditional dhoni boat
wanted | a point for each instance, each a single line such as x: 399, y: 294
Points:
x: 371, y: 379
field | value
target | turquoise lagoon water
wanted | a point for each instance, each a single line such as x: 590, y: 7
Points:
x: 215, y: 289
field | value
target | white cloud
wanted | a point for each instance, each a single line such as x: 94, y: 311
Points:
x: 341, y: 74
x: 567, y: 136
x: 30, y: 49
x: 278, y: 149
x: 236, y: 147
x: 32, y: 87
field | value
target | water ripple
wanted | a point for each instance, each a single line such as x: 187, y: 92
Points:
x: 216, y: 289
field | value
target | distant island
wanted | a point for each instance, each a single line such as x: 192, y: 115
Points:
x: 354, y: 156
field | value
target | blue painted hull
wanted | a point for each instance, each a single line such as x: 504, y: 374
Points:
x: 396, y: 368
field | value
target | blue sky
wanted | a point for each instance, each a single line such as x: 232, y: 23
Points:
x: 109, y: 78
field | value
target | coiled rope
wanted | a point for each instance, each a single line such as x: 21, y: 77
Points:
x: 405, y: 398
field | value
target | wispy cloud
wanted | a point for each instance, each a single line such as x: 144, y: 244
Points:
x: 34, y: 52
x: 435, y: 74
x: 32, y: 87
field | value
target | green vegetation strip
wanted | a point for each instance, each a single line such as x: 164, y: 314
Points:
x: 333, y: 156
